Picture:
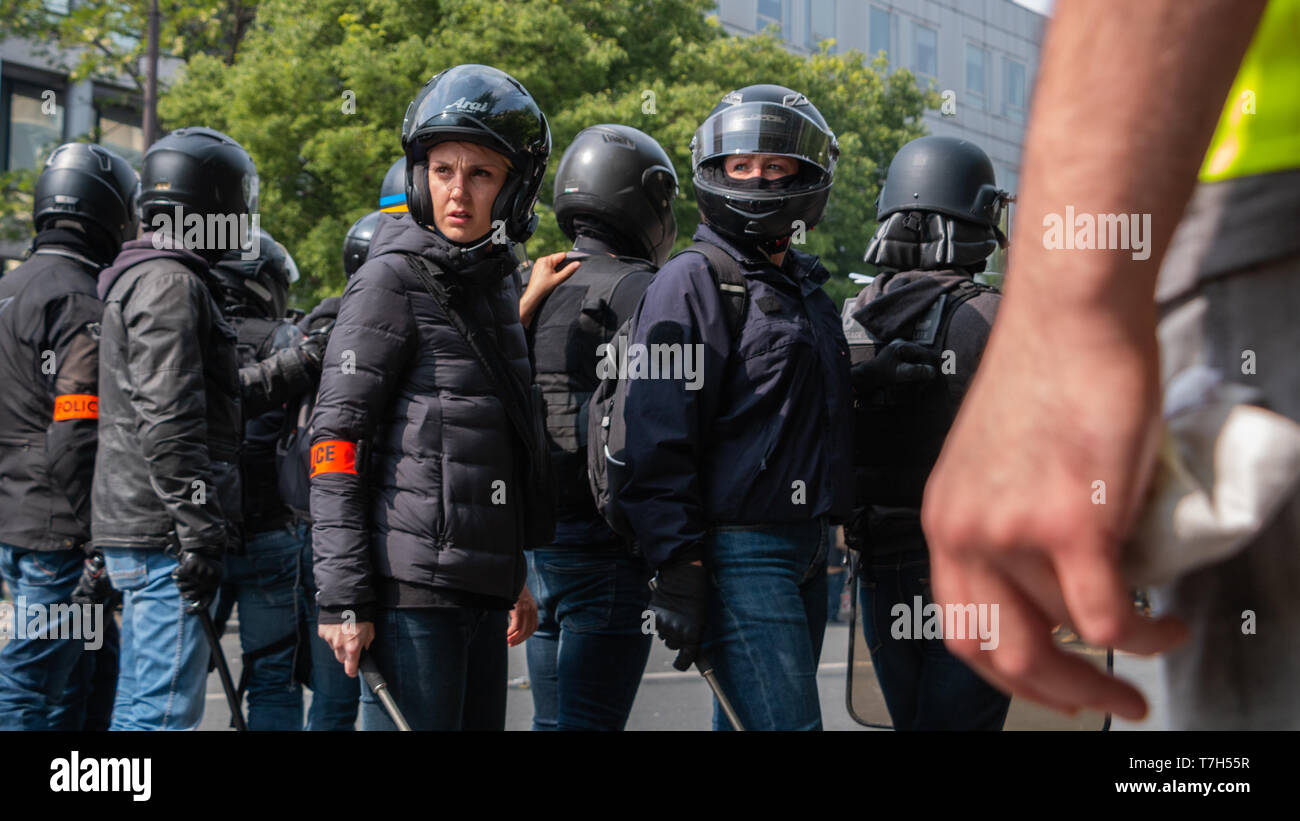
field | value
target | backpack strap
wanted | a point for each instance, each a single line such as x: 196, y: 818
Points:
x: 964, y: 293
x: 730, y: 279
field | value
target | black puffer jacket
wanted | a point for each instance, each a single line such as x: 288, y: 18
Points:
x: 49, y: 367
x: 429, y: 514
x: 169, y: 412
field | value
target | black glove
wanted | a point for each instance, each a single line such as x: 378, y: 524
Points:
x: 898, y: 362
x: 313, y: 347
x: 680, y: 604
x: 198, y: 576
x: 93, y: 586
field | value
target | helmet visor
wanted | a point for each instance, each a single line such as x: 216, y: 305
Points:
x: 764, y: 128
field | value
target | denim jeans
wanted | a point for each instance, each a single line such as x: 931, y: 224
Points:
x: 445, y: 667
x: 47, y: 682
x: 163, y: 664
x: 264, y: 584
x: 334, y: 696
x: 925, y: 686
x: 586, y: 658
x: 766, y: 621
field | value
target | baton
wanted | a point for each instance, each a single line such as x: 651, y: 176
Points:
x: 379, y: 686
x: 705, y: 666
x: 227, y: 684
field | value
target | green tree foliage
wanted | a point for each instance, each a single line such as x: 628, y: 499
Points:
x: 317, y: 94
x: 107, y: 39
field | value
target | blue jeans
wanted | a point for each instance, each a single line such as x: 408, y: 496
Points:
x: 586, y: 658
x: 445, y: 667
x: 264, y: 584
x: 925, y: 686
x: 334, y: 696
x: 163, y: 665
x: 47, y: 682
x: 767, y: 618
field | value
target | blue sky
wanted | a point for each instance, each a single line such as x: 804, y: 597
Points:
x: 1040, y: 6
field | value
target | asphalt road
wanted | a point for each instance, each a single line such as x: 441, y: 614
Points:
x: 671, y: 700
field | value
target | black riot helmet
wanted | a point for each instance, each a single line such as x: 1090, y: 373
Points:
x: 483, y: 105
x: 93, y: 186
x: 392, y: 193
x: 621, y: 177
x: 939, y: 208
x: 256, y: 280
x: 356, y: 245
x: 200, y: 171
x: 945, y: 175
x: 763, y: 119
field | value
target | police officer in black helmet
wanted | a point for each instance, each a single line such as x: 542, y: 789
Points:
x: 166, y: 497
x: 84, y: 209
x: 419, y: 496
x: 736, y: 471
x: 614, y: 192
x: 920, y: 329
x: 263, y: 579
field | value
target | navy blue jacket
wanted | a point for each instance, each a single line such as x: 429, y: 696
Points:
x: 767, y: 436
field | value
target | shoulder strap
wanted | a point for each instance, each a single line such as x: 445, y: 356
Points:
x: 515, y: 398
x: 731, y: 283
x: 964, y: 293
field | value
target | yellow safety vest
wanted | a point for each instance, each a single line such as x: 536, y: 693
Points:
x: 1259, y: 130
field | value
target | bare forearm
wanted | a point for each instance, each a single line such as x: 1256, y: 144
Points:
x: 1126, y: 103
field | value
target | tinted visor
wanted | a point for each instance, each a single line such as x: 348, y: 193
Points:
x: 764, y: 128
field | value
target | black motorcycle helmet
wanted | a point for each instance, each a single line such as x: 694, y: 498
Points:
x: 201, y: 171
x: 484, y: 105
x: 392, y: 193
x: 622, y: 177
x: 92, y: 185
x: 763, y: 119
x: 946, y: 175
x: 356, y: 245
x: 257, y: 286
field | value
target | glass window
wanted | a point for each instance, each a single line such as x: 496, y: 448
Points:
x: 880, y: 37
x: 1013, y: 105
x: 35, y: 125
x: 926, y: 59
x: 821, y: 22
x: 123, y: 134
x: 769, y: 14
x: 977, y: 60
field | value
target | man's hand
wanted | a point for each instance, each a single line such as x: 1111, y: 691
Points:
x: 347, y: 641
x: 313, y: 346
x: 1038, y: 483
x: 897, y: 363
x: 523, y: 619
x: 543, y: 279
x: 198, y: 575
x: 93, y: 587
x: 680, y: 604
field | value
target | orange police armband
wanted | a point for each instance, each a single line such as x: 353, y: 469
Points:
x: 76, y: 406
x: 333, y: 456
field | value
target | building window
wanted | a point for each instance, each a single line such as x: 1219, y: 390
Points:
x: 770, y: 13
x: 925, y: 41
x: 821, y: 22
x: 1013, y: 98
x: 33, y: 124
x: 977, y: 84
x: 120, y: 131
x: 880, y: 34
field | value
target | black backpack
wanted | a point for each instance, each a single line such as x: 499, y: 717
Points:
x: 574, y: 321
x: 891, y: 470
x: 293, y: 456
x: 606, y: 432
